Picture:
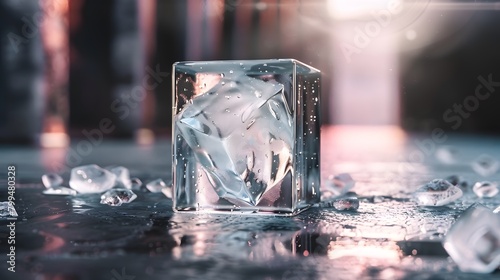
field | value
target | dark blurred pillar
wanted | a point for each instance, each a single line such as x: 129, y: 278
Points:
x: 21, y: 71
x: 171, y: 30
x: 107, y: 65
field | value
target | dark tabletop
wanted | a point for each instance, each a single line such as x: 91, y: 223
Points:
x: 389, y: 237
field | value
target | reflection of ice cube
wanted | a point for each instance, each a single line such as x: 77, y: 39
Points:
x: 473, y: 241
x: 241, y: 134
x: 437, y: 193
x: 59, y: 191
x: 51, y: 180
x: 485, y: 165
x: 485, y: 189
x: 7, y: 209
x: 91, y: 179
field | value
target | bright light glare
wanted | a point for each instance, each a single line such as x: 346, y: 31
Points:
x: 348, y: 9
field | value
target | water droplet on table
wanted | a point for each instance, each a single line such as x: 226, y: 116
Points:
x: 485, y: 189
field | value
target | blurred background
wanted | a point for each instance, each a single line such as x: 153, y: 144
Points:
x: 101, y: 69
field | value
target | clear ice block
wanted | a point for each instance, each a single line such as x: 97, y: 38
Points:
x: 246, y: 136
x: 91, y: 179
x: 473, y: 241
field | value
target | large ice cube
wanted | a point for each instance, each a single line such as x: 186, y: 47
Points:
x: 241, y: 134
x: 473, y: 241
x: 91, y: 179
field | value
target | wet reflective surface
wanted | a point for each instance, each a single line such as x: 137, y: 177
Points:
x: 388, y: 237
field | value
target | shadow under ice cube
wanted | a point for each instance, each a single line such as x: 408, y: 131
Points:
x: 473, y: 241
x: 246, y: 136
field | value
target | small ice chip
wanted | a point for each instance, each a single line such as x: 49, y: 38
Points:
x: 497, y: 210
x: 122, y: 176
x: 345, y: 203
x: 473, y: 241
x: 437, y: 192
x: 59, y: 191
x: 51, y: 180
x: 91, y: 179
x: 485, y: 165
x: 156, y: 186
x: 115, y: 197
x: 458, y: 181
x: 111, y: 201
x: 447, y: 154
x: 339, y: 184
x: 7, y: 209
x: 167, y: 191
x: 485, y: 189
x: 137, y: 184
